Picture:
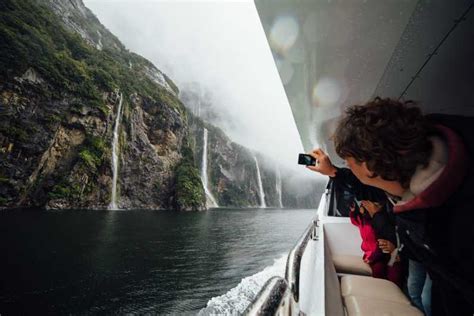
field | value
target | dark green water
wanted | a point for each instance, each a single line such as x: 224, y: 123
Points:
x: 105, y: 262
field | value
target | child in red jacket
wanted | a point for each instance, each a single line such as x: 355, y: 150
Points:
x: 374, y: 224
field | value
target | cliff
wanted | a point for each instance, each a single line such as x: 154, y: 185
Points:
x: 62, y: 76
x: 233, y: 174
x: 65, y: 82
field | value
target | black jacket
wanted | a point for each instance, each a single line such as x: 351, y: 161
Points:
x: 444, y: 242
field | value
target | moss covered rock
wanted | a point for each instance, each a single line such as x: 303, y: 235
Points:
x: 62, y: 74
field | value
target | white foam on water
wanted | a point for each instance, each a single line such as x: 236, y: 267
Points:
x: 236, y: 300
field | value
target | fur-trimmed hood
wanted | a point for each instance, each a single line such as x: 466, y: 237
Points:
x: 433, y: 185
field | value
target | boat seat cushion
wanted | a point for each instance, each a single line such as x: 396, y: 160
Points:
x: 370, y: 296
x: 351, y: 264
x: 377, y: 289
x: 366, y: 306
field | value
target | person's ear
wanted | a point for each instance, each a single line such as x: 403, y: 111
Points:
x: 370, y: 174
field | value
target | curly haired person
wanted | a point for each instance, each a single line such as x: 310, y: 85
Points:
x: 424, y: 166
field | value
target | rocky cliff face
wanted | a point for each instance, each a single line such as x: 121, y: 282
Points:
x: 62, y: 75
x: 231, y: 167
x: 233, y: 175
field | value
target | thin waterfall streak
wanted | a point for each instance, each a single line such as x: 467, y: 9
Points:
x: 115, y: 158
x: 210, y: 200
x: 279, y: 187
x: 260, y: 186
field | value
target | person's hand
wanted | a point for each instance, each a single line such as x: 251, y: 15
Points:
x: 386, y: 245
x: 370, y: 207
x: 366, y: 260
x: 361, y: 209
x: 323, y: 163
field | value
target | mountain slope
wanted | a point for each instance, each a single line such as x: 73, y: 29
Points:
x: 233, y: 174
x: 62, y: 75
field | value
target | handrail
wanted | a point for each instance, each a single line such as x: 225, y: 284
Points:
x: 277, y: 291
x: 270, y: 298
x: 293, y: 264
x: 330, y: 198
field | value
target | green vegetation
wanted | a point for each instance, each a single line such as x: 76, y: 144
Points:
x: 92, y: 155
x: 65, y: 190
x: 53, y: 119
x: 76, y: 75
x: 234, y: 196
x: 3, y: 201
x: 90, y: 159
x: 93, y: 152
x: 171, y: 83
x: 189, y: 190
x: 33, y: 36
x: 14, y: 131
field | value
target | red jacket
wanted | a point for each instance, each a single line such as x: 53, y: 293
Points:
x: 369, y: 244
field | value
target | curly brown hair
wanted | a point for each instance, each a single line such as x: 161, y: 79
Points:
x: 392, y: 137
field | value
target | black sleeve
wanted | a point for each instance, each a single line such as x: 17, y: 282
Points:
x: 346, y: 181
x: 384, y: 226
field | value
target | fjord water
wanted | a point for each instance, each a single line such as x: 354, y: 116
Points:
x: 82, y: 262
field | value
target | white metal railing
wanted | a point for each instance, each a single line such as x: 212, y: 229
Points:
x: 281, y: 296
x: 272, y: 298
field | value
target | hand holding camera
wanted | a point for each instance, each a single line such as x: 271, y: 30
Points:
x: 318, y: 161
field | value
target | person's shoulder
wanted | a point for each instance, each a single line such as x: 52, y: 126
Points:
x: 463, y: 126
x: 450, y: 120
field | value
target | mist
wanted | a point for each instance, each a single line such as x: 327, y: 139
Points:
x: 220, y: 45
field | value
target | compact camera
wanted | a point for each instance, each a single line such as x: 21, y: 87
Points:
x: 305, y: 159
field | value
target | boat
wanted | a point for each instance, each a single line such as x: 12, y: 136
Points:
x: 331, y: 54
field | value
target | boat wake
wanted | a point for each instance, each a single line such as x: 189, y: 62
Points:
x: 236, y: 300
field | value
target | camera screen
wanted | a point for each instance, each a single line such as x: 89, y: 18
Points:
x: 306, y: 160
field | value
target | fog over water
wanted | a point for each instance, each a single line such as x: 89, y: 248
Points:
x: 222, y: 46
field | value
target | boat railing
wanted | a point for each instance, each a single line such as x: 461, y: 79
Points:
x: 281, y: 296
x: 293, y: 264
x: 272, y: 298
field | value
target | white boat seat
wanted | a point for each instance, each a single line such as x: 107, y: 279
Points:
x: 364, y: 295
x: 365, y: 306
x: 351, y: 264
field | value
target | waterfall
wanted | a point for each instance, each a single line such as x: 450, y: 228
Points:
x: 260, y: 186
x: 210, y: 200
x: 198, y: 110
x: 115, y: 159
x: 278, y: 187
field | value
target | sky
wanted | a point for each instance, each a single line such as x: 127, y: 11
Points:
x: 220, y: 44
